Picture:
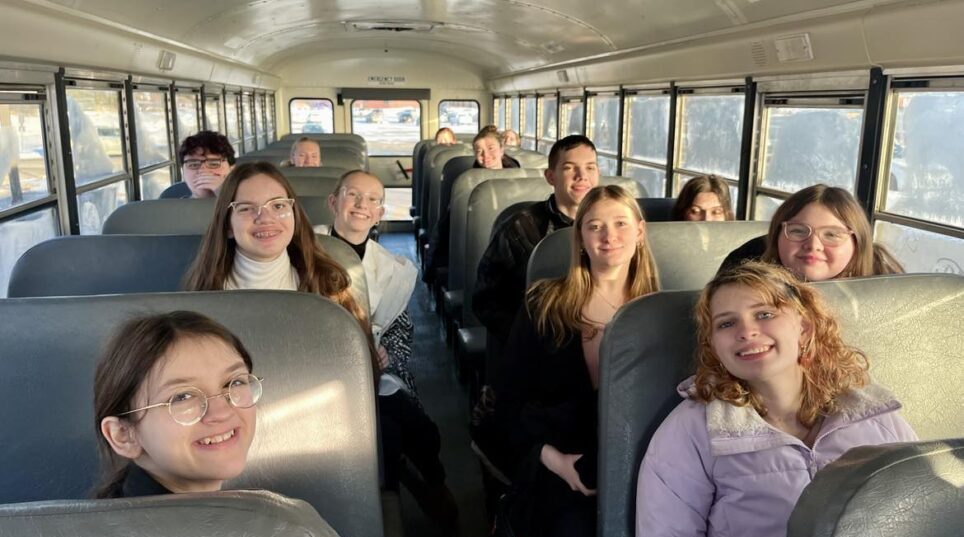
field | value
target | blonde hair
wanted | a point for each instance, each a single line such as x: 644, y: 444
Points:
x: 556, y: 305
x: 830, y: 367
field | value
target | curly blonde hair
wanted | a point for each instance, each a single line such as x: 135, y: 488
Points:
x: 830, y: 367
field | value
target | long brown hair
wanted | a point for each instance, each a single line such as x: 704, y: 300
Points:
x: 556, y: 305
x: 700, y: 185
x: 843, y: 206
x: 131, y: 354
x: 317, y: 272
x: 830, y: 367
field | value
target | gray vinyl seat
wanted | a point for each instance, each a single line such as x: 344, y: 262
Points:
x: 657, y: 209
x: 217, y: 514
x: 339, y: 157
x: 896, y: 490
x: 418, y: 152
x: 316, y: 437
x: 299, y: 177
x: 486, y: 201
x: 908, y: 325
x: 327, y: 137
x: 322, y: 172
x: 687, y: 254
x: 527, y: 158
x: 192, y: 216
x: 123, y: 264
x: 436, y: 174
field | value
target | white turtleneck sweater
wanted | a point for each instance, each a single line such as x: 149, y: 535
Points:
x: 247, y: 273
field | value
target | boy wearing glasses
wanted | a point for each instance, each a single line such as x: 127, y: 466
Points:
x: 206, y: 159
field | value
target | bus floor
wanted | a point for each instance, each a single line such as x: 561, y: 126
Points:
x: 446, y: 402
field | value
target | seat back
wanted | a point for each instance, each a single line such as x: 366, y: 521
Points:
x: 323, y: 172
x: 243, y: 512
x: 657, y: 209
x: 687, y: 254
x: 458, y: 212
x: 297, y: 176
x: 450, y: 173
x: 436, y: 173
x: 889, y: 491
x: 908, y: 325
x: 486, y: 201
x: 527, y: 158
x: 418, y: 152
x: 316, y: 421
x: 339, y: 157
x: 324, y: 138
x: 125, y: 264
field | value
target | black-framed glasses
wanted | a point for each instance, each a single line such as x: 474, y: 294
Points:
x: 356, y: 197
x: 278, y: 208
x: 829, y: 235
x: 189, y: 405
x: 209, y: 163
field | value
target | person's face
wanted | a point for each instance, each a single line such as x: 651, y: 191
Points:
x: 610, y: 234
x: 202, y: 174
x: 812, y: 259
x: 264, y: 236
x: 511, y: 138
x: 445, y: 138
x: 358, y: 204
x: 306, y: 155
x: 575, y: 174
x: 488, y: 153
x: 755, y: 342
x: 706, y: 207
x: 194, y: 457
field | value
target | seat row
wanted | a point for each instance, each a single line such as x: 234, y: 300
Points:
x: 316, y: 438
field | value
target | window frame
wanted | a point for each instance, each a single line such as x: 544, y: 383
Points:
x: 547, y: 142
x: 523, y: 122
x: 351, y: 123
x: 478, y: 109
x: 626, y: 159
x: 293, y: 99
x: 678, y: 172
x: 589, y: 118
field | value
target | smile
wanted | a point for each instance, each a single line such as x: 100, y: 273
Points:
x: 754, y: 352
x: 266, y: 234
x: 218, y: 438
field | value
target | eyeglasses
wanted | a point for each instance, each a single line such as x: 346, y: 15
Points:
x: 829, y: 235
x: 278, y: 208
x: 356, y: 197
x: 189, y: 405
x: 209, y: 163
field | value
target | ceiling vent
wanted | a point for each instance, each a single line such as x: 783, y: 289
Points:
x: 794, y: 48
x: 391, y: 26
x: 758, y: 52
x: 165, y: 60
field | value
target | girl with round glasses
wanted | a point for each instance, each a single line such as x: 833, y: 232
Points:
x: 174, y: 403
x: 260, y: 238
x: 820, y: 233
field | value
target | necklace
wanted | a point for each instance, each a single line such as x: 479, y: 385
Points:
x: 606, y: 300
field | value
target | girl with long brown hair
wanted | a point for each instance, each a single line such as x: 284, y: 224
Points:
x: 546, y: 390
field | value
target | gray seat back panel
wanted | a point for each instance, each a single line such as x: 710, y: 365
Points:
x: 124, y: 264
x: 528, y: 159
x: 892, y: 490
x: 439, y: 157
x: 298, y: 177
x: 908, y: 325
x: 461, y: 189
x: 687, y: 254
x: 217, y: 514
x: 316, y: 421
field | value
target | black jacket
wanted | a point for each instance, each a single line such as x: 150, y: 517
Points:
x: 751, y: 250
x: 501, y: 283
x: 138, y: 482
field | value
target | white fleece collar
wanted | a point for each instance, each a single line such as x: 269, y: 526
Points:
x: 247, y: 273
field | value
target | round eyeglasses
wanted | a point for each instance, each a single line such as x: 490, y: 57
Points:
x: 829, y: 235
x: 355, y: 197
x: 209, y: 163
x: 278, y: 208
x: 189, y: 405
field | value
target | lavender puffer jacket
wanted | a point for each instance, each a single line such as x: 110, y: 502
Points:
x: 720, y: 470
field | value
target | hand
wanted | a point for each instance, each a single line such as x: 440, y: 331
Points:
x: 564, y: 466
x: 210, y: 182
x: 382, y: 358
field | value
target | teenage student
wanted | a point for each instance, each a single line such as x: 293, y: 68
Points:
x: 703, y: 199
x: 174, y: 398
x: 777, y: 396
x: 547, y: 388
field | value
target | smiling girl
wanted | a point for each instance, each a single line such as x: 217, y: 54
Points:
x: 776, y: 397
x: 174, y: 401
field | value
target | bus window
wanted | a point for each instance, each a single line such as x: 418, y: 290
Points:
x: 604, y: 130
x: 391, y: 128
x: 529, y: 125
x: 262, y: 135
x: 711, y: 130
x: 247, y: 122
x: 271, y: 118
x: 514, y: 115
x: 153, y: 142
x: 804, y: 146
x: 23, y: 163
x: 647, y: 136
x: 20, y: 234
x: 188, y: 118
x: 498, y: 112
x: 548, y: 116
x: 231, y: 121
x: 314, y: 116
x: 925, y: 182
x: 95, y: 134
x: 460, y: 116
x: 93, y: 206
x: 571, y: 116
x: 212, y: 113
